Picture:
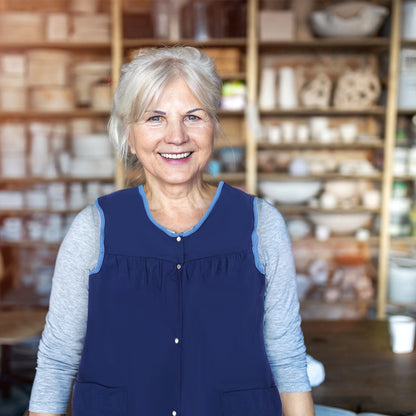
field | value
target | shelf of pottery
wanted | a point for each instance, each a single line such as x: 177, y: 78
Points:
x: 220, y: 29
x: 55, y: 93
x: 320, y: 144
x: 402, y: 260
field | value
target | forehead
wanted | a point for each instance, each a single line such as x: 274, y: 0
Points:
x: 176, y: 90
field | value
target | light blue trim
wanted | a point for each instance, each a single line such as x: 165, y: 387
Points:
x: 195, y: 227
x: 255, y: 238
x: 101, y: 254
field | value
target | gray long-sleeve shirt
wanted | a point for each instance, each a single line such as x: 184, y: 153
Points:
x: 63, y: 337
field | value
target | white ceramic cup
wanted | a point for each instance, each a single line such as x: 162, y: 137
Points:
x: 348, y: 132
x: 275, y: 134
x: 302, y: 133
x: 317, y: 125
x: 402, y: 333
x: 288, y: 131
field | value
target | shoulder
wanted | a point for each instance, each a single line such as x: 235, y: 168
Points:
x: 269, y: 217
x: 86, y: 220
x: 273, y: 237
x: 82, y: 239
x: 230, y: 190
x: 119, y: 196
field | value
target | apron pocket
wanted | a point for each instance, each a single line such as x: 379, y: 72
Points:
x: 253, y: 402
x: 91, y: 399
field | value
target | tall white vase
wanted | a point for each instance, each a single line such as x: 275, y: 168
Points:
x: 267, y: 98
x: 287, y: 88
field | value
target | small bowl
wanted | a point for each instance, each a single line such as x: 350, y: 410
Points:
x: 339, y: 22
x: 341, y: 223
x: 289, y: 192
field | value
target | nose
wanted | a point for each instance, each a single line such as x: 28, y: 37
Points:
x: 176, y: 133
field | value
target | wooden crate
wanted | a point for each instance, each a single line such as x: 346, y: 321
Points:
x: 227, y: 60
x: 21, y: 27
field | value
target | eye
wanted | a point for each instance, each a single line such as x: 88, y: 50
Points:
x: 192, y: 117
x: 155, y: 118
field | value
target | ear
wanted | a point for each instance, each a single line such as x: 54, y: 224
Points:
x: 130, y: 141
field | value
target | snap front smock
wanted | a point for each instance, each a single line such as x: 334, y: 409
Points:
x: 175, y: 321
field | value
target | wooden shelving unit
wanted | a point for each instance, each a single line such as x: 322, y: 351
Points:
x: 43, y: 249
x: 386, y: 114
x: 253, y: 49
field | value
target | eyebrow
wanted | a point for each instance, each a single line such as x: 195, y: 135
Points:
x: 195, y: 109
x: 162, y: 113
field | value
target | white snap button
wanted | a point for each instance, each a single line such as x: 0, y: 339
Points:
x: 178, y: 239
x: 178, y: 266
x: 176, y: 340
x: 174, y: 413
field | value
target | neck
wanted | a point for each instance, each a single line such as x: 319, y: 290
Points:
x: 178, y: 197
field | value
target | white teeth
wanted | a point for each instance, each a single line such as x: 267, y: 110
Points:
x: 175, y: 155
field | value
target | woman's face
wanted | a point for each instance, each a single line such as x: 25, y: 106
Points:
x: 174, y: 138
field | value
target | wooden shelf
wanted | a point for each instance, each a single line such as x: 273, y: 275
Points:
x: 357, y: 145
x: 30, y: 244
x: 311, y: 177
x: 305, y: 209
x: 87, y: 45
x: 307, y: 112
x: 238, y: 76
x: 36, y: 114
x: 231, y: 113
x: 406, y: 111
x: 28, y: 212
x: 404, y: 240
x: 40, y: 180
x: 363, y: 44
x: 408, y: 43
x: 402, y: 305
x: 334, y: 239
x: 404, y: 178
x: 222, y: 42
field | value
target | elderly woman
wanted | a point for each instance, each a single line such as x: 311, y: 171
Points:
x: 175, y: 297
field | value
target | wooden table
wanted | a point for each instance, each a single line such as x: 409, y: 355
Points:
x: 16, y: 326
x: 362, y: 372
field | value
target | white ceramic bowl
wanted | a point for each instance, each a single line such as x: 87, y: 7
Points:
x: 289, y: 192
x: 366, y: 22
x: 341, y: 223
x: 342, y: 189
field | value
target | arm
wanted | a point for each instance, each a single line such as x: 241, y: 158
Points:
x: 282, y: 332
x: 297, y: 404
x: 63, y: 336
x: 44, y: 414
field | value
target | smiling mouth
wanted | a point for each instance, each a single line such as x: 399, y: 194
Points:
x: 176, y: 156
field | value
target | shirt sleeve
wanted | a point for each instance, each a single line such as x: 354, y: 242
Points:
x: 62, y: 339
x: 282, y: 331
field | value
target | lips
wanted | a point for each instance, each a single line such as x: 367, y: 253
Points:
x: 176, y: 156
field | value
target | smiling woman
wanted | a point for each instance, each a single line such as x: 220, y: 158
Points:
x: 174, y: 297
x: 173, y: 141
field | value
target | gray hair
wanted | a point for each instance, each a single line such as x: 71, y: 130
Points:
x: 147, y: 74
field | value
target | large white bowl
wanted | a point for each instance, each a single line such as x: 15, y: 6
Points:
x: 327, y: 23
x: 289, y: 192
x: 341, y: 223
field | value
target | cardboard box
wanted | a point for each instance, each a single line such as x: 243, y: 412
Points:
x: 277, y: 25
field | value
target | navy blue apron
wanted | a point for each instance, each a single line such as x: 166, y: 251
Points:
x: 175, y: 321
